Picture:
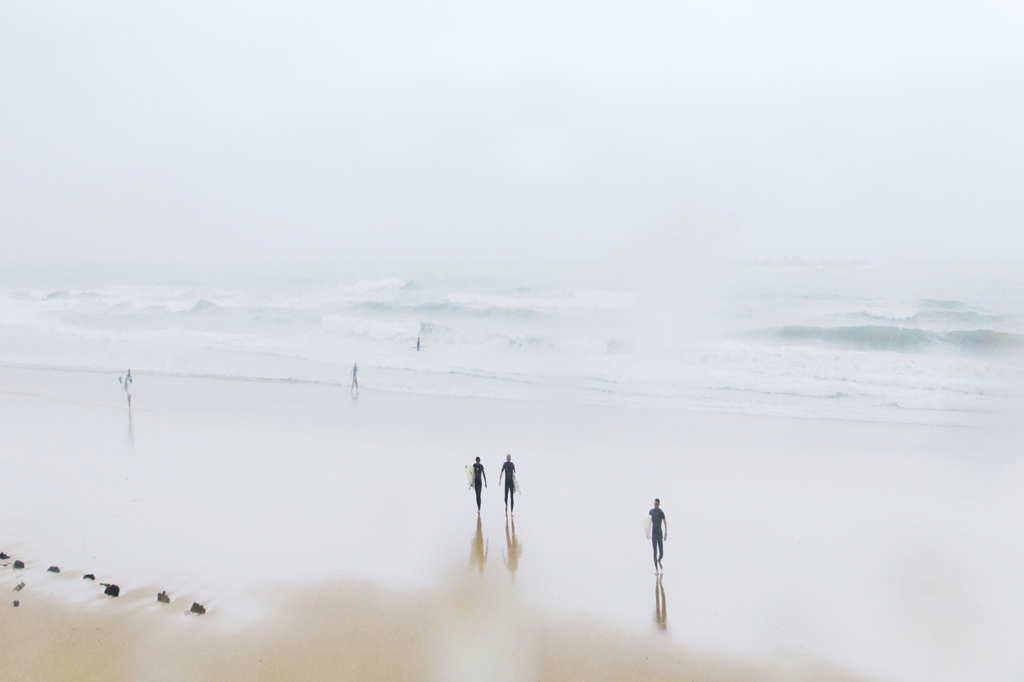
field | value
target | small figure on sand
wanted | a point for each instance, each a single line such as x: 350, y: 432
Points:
x: 126, y: 381
x: 657, y: 519
x: 478, y: 474
x: 508, y: 470
x: 355, y: 381
x: 417, y: 343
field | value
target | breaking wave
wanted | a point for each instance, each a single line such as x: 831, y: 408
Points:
x: 563, y: 300
x: 204, y: 306
x: 903, y: 339
x: 897, y: 313
x: 448, y: 309
x: 984, y: 339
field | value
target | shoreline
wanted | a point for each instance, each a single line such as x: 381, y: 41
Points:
x: 988, y: 419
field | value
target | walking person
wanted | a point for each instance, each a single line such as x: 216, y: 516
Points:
x: 657, y: 519
x: 478, y: 477
x: 508, y: 470
x: 355, y: 381
x: 127, y: 383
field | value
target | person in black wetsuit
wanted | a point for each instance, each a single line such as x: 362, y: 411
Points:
x: 508, y: 470
x: 478, y: 474
x: 657, y: 519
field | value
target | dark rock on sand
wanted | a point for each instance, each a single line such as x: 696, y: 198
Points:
x: 163, y: 598
x: 53, y: 569
x: 197, y: 608
x: 112, y: 590
x: 16, y: 603
x: 19, y: 564
x: 88, y: 576
x: 19, y: 587
x: 3, y: 556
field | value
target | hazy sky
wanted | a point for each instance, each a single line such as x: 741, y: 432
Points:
x: 527, y: 130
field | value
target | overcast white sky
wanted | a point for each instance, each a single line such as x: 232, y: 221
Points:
x: 527, y: 130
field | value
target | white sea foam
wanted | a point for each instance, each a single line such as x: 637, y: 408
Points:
x: 891, y: 311
x: 391, y: 283
x: 564, y: 299
x: 369, y: 328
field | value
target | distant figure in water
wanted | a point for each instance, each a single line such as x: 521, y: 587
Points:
x: 127, y: 383
x: 508, y: 470
x: 417, y: 343
x: 478, y: 474
x: 657, y: 519
x: 355, y: 381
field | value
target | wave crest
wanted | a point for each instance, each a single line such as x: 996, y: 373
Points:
x: 903, y: 339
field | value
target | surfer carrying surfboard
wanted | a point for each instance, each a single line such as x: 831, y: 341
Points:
x: 657, y: 519
x: 478, y: 474
x: 508, y: 470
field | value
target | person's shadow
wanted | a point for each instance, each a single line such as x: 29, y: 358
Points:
x: 479, y: 549
x: 515, y: 550
x: 660, y: 607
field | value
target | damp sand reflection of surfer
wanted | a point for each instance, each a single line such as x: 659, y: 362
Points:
x: 515, y: 550
x: 479, y: 548
x: 660, y: 606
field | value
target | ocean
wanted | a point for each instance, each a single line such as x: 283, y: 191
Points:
x: 927, y: 345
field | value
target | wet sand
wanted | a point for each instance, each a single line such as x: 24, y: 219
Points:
x: 470, y: 630
x: 889, y: 551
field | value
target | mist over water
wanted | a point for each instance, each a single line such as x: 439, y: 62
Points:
x: 239, y: 201
x: 936, y: 345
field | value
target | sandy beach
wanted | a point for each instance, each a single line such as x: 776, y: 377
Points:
x: 335, y: 537
x: 758, y: 263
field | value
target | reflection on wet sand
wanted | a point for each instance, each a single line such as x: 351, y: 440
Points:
x: 131, y: 432
x: 515, y: 550
x: 660, y: 607
x: 479, y: 549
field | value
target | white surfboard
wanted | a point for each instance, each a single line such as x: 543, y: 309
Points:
x: 648, y: 523
x: 469, y: 474
x: 515, y: 483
